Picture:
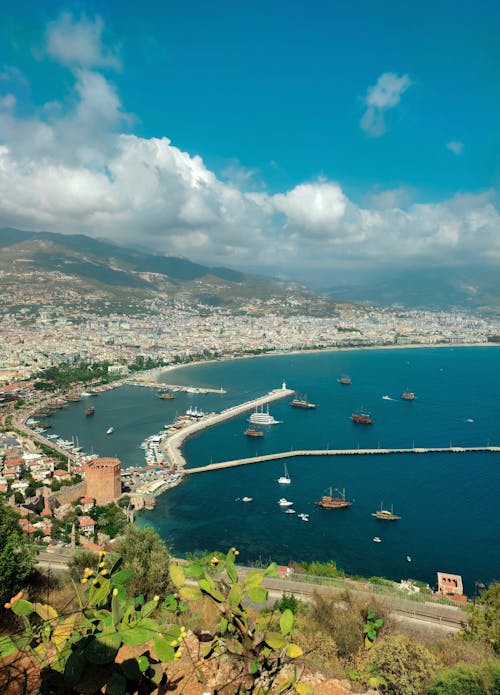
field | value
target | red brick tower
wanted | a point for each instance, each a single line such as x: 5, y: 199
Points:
x: 102, y: 476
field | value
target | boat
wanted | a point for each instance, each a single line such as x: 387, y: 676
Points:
x: 284, y: 502
x: 408, y: 558
x: 285, y: 478
x: 303, y: 517
x: 247, y: 499
x: 302, y: 402
x: 385, y: 514
x: 84, y: 394
x: 90, y: 410
x: 259, y: 417
x: 253, y: 432
x: 110, y: 430
x: 344, y: 379
x: 377, y: 540
x: 167, y: 395
x: 408, y: 396
x: 290, y: 511
x: 362, y: 418
x: 334, y: 502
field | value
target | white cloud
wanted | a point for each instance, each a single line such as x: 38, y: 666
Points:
x: 455, y: 146
x: 382, y: 96
x: 79, y: 42
x: 72, y: 169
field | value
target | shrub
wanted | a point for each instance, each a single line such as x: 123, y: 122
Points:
x: 143, y: 551
x: 404, y: 665
x: 467, y: 679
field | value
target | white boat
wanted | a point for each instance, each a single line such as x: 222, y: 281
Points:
x: 247, y: 499
x: 262, y: 418
x: 304, y: 517
x: 377, y: 540
x: 290, y: 511
x: 284, y: 502
x: 285, y: 478
x: 408, y: 558
x: 85, y: 394
x: 110, y: 430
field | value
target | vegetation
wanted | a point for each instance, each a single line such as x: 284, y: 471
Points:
x: 146, y: 555
x: 63, y: 376
x: 467, y: 679
x: 402, y: 665
x: 16, y: 553
x: 483, y: 622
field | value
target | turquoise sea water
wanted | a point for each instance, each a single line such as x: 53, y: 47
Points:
x: 448, y: 502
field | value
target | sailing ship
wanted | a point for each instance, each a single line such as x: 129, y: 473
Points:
x: 385, y: 514
x: 259, y: 417
x: 302, y: 402
x: 362, y: 418
x: 334, y: 502
x: 344, y: 379
x: 253, y: 432
x: 408, y: 396
x: 90, y: 410
x: 285, y: 478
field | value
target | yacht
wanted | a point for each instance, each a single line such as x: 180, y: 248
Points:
x: 285, y: 478
x: 284, y: 502
x: 110, y: 430
x: 247, y: 499
x: 290, y: 511
x: 377, y: 540
x: 304, y: 517
x: 259, y: 417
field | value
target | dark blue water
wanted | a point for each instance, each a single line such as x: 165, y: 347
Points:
x: 448, y: 502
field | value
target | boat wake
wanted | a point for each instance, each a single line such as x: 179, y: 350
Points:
x: 387, y: 398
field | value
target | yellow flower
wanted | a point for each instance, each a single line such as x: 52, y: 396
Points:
x: 84, y: 580
x: 178, y: 654
x: 102, y: 553
x: 236, y: 552
x: 115, y: 592
x: 104, y: 572
x: 95, y: 582
x: 174, y: 643
x: 156, y: 598
x: 102, y: 564
x: 214, y: 560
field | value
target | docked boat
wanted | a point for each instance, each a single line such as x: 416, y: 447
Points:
x: 90, y: 410
x: 253, y: 432
x: 344, y: 379
x: 385, y: 514
x: 332, y: 501
x: 408, y: 396
x: 302, y: 402
x: 259, y: 417
x: 362, y: 418
x: 247, y: 499
x: 285, y: 478
x: 110, y: 430
x: 284, y: 502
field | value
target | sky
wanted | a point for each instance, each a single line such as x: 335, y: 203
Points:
x: 317, y: 140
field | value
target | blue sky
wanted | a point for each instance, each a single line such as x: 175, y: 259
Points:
x: 320, y: 138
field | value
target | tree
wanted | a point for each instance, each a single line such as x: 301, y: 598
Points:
x: 403, y: 665
x: 147, y: 556
x: 16, y: 554
x: 483, y: 623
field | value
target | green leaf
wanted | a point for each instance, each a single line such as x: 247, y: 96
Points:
x: 45, y: 611
x: 254, y: 578
x: 370, y: 615
x: 371, y: 634
x: 196, y: 571
x: 99, y: 592
x: 257, y: 594
x: 303, y: 689
x: 222, y: 625
x: 177, y: 574
x: 234, y: 647
x: 143, y: 663
x: 231, y: 569
x: 275, y: 640
x: 7, y: 647
x: 190, y: 593
x: 116, y: 685
x: 294, y: 651
x: 149, y: 608
x: 164, y: 651
x: 368, y: 642
x: 74, y: 668
x: 22, y: 607
x: 254, y: 667
x: 286, y: 621
x: 135, y: 636
x: 99, y: 653
x: 378, y: 623
x: 272, y: 570
x: 235, y: 595
x: 122, y: 577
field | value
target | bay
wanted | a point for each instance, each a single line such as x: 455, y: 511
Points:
x: 448, y: 502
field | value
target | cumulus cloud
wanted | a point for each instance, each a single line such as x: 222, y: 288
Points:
x: 79, y: 43
x: 455, y: 146
x: 72, y: 168
x: 380, y: 97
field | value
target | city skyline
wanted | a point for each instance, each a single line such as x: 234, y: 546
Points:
x: 309, y: 141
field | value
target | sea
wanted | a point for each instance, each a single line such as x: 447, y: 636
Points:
x: 448, y: 502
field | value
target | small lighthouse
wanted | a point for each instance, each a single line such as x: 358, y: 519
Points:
x: 283, y: 385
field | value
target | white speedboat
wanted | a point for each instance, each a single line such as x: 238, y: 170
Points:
x: 289, y: 511
x: 247, y: 499
x: 110, y: 430
x: 304, y: 517
x: 377, y: 540
x: 408, y: 558
x: 284, y: 502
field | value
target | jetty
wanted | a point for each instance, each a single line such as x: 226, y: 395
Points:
x: 340, y: 452
x: 172, y: 445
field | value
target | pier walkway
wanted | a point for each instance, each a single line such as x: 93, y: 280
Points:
x: 340, y: 452
x: 172, y: 445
